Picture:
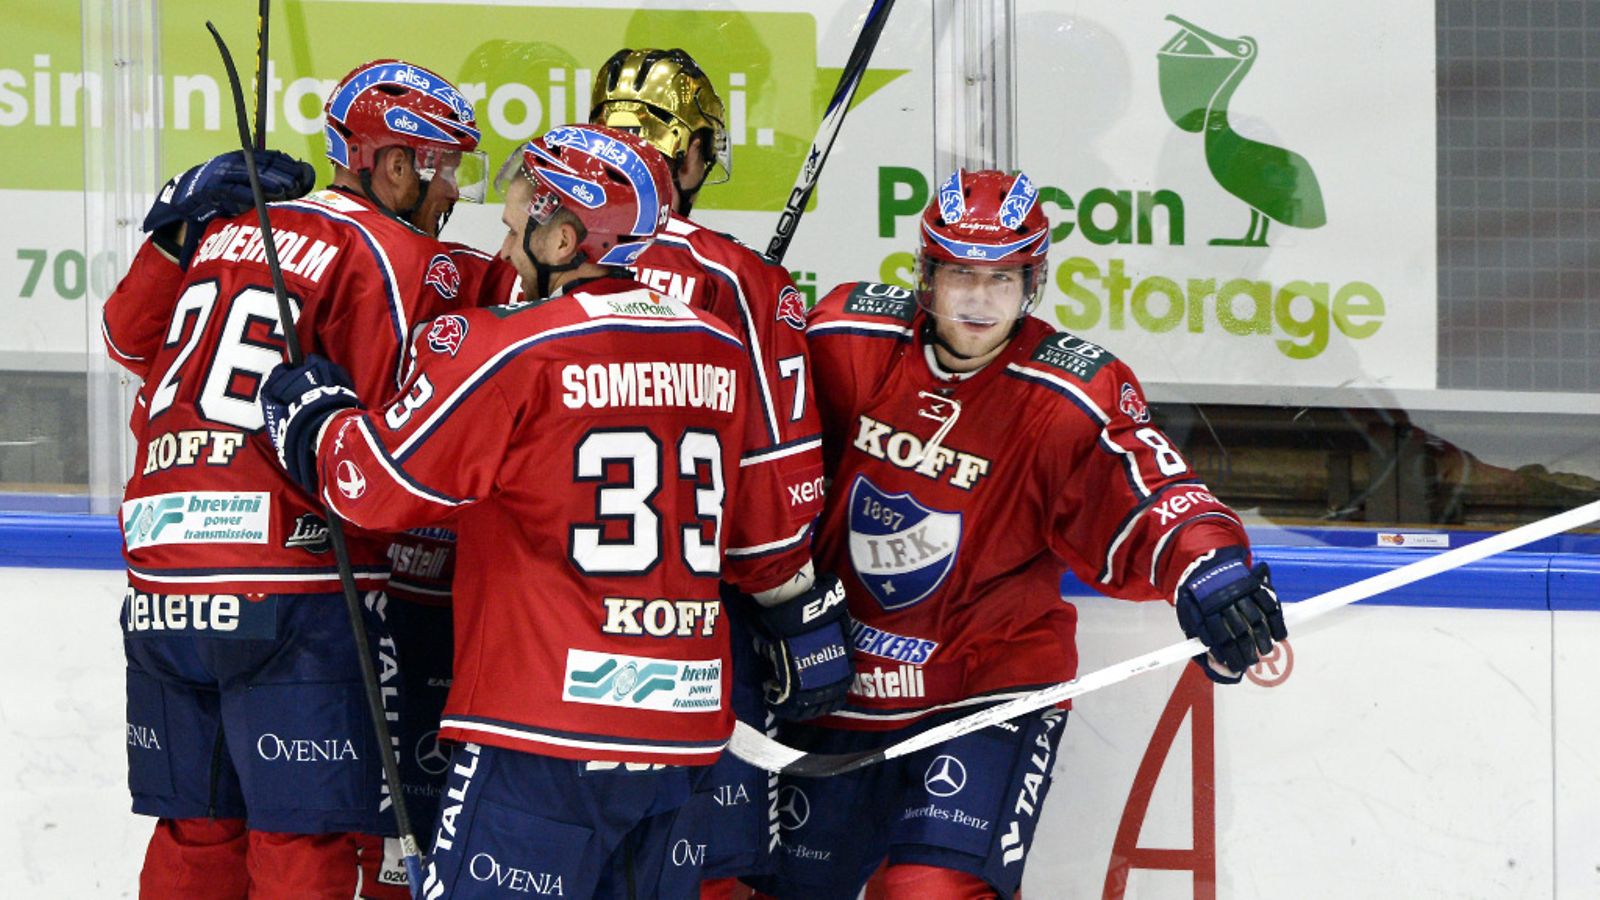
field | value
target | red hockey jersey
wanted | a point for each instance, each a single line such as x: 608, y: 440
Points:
x: 207, y: 508
x: 956, y: 505
x: 591, y: 452
x: 422, y: 560
x: 757, y: 300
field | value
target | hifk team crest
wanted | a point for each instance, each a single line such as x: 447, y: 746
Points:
x: 1131, y: 404
x: 446, y: 334
x: 901, y: 549
x: 792, y: 308
x: 443, y: 275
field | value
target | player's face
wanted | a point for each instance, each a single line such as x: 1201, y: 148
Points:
x: 515, y: 217
x: 394, y: 178
x: 974, y: 309
x: 692, y: 174
x: 435, y: 206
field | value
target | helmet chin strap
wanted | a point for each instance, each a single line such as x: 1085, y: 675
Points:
x: 542, y: 271
x: 403, y: 215
x: 423, y: 185
x: 685, y: 199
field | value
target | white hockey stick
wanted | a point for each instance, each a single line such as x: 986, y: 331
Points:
x: 759, y: 750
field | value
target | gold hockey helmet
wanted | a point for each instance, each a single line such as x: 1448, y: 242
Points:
x: 664, y: 97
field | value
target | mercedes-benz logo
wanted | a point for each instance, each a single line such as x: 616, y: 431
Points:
x: 946, y: 776
x: 431, y: 757
x: 794, y: 808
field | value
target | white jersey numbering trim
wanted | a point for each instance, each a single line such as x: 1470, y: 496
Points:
x: 851, y: 325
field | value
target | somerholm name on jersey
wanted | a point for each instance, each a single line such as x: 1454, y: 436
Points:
x: 641, y: 384
x: 242, y: 243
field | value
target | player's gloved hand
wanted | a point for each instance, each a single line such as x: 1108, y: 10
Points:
x: 296, y: 402
x: 806, y: 639
x: 220, y: 186
x: 1233, y: 609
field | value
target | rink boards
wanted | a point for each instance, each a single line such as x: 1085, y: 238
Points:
x: 1448, y: 749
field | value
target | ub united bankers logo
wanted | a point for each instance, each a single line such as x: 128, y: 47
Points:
x: 902, y: 550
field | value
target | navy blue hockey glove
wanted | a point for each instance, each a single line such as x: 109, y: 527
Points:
x: 295, y: 402
x: 220, y: 187
x: 1233, y: 609
x: 806, y: 639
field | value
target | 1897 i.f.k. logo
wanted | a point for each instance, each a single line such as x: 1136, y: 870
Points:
x: 902, y: 549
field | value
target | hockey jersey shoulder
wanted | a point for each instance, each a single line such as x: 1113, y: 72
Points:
x: 594, y: 307
x: 1086, y: 375
x: 1065, y: 353
x: 686, y: 230
x: 889, y: 307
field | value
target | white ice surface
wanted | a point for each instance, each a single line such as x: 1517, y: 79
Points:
x: 63, y: 792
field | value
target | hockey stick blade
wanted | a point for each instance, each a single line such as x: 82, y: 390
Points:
x: 761, y: 751
x: 410, y: 852
x: 854, y: 68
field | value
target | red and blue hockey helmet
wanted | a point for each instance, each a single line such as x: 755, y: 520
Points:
x: 392, y: 103
x: 616, y: 184
x: 981, y: 220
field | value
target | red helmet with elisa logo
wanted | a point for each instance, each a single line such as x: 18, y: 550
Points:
x: 986, y: 219
x: 391, y: 103
x: 616, y: 184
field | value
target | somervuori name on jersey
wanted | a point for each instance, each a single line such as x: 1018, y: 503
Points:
x: 649, y: 384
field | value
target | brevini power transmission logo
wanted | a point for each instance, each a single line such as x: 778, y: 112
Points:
x: 641, y: 682
x: 197, y: 517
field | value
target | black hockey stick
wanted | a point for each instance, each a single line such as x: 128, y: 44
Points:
x: 854, y: 68
x: 263, y: 11
x: 341, y: 553
x: 761, y: 751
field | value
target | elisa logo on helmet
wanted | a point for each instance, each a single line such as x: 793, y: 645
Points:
x: 443, y: 275
x: 389, y: 102
x: 985, y: 252
x: 617, y: 185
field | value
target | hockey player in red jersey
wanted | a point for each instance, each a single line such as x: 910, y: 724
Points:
x: 975, y: 455
x: 591, y: 449
x: 261, y: 763
x: 664, y: 96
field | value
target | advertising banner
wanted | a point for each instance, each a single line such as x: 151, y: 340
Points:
x: 526, y: 66
x: 1244, y: 193
x: 1240, y: 196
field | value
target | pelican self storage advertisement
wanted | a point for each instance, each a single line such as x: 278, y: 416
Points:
x: 1243, y: 192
